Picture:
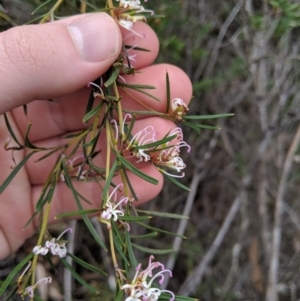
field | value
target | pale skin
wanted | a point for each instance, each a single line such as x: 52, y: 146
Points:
x: 40, y: 62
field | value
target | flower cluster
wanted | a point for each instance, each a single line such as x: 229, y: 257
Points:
x: 163, y: 156
x: 30, y: 289
x: 143, y: 137
x: 56, y: 248
x: 129, y: 12
x: 140, y: 288
x: 111, y: 208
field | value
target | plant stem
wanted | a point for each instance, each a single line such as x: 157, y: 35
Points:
x: 51, y: 11
x: 111, y: 6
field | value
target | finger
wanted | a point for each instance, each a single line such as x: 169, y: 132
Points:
x: 14, y: 200
x: 51, y: 119
x: 54, y: 59
x: 155, y: 76
x: 38, y: 172
x: 147, y: 40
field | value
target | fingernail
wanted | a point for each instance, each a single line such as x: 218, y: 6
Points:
x: 96, y: 36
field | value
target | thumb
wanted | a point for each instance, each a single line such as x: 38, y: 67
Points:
x: 54, y: 59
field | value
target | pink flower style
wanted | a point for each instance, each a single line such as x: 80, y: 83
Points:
x: 111, y: 208
x: 140, y: 287
x: 169, y: 156
x: 128, y: 58
x: 54, y: 246
x: 30, y: 289
x: 143, y: 137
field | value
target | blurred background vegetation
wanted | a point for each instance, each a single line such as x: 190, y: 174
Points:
x: 242, y: 57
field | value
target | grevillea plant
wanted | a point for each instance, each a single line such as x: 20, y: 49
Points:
x: 126, y: 149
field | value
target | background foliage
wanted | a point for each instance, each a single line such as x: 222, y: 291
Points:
x: 243, y: 58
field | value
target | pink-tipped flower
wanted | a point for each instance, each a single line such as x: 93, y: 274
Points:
x: 30, y: 289
x: 143, y: 137
x: 140, y: 287
x: 54, y: 246
x: 111, y: 208
x: 168, y: 156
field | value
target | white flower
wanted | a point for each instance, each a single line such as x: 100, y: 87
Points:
x: 140, y: 287
x: 168, y: 156
x: 56, y: 248
x: 143, y: 137
x: 30, y: 289
x: 111, y: 208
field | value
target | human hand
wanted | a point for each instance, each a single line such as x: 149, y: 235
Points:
x: 56, y: 61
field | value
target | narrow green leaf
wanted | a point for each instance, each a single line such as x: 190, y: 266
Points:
x: 84, y: 199
x: 130, y: 86
x: 7, y: 18
x: 38, y: 298
x: 139, y: 88
x: 120, y: 295
x: 207, y: 117
x: 193, y: 126
x: 153, y: 251
x: 163, y: 214
x: 207, y: 127
x: 27, y: 141
x: 114, y: 75
x: 78, y: 277
x: 40, y: 6
x: 92, y: 112
x: 91, y: 100
x: 31, y: 219
x: 166, y: 297
x: 74, y: 135
x: 48, y: 197
x: 12, y: 294
x: 149, y: 235
x: 134, y: 170
x: 14, y: 172
x: 14, y: 272
x: 100, y: 171
x: 77, y: 201
x: 10, y: 130
x: 168, y: 92
x: 25, y: 109
x: 149, y: 113
x: 86, y: 265
x: 116, y: 233
x: 2, y: 9
x: 132, y: 258
x: 76, y: 213
x: 119, y: 248
x: 48, y: 154
x: 159, y: 230
x: 156, y: 143
x: 132, y: 191
x: 137, y: 48
x: 197, y: 126
x: 133, y: 218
